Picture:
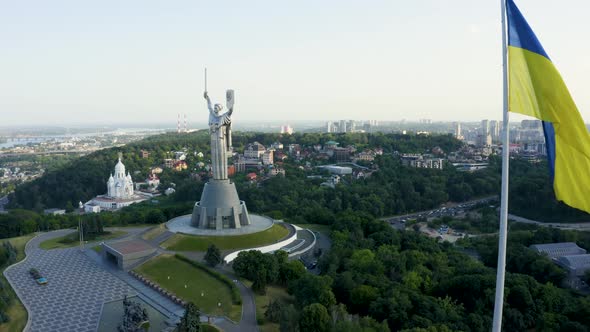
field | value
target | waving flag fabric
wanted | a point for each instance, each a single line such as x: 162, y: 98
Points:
x: 537, y: 89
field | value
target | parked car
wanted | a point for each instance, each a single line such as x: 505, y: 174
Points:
x: 37, y: 276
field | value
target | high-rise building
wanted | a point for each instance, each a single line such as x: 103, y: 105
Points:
x: 342, y: 126
x: 286, y: 130
x: 351, y: 126
x: 495, y: 130
x: 329, y: 127
x: 530, y: 124
x: 485, y: 127
x: 457, y: 130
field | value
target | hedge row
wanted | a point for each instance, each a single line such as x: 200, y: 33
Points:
x: 235, y: 292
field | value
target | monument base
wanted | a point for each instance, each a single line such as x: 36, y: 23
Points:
x: 220, y: 207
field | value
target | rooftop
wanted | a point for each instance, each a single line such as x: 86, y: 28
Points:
x: 555, y: 250
x: 576, y: 261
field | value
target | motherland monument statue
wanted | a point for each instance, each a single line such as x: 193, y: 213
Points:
x: 220, y: 206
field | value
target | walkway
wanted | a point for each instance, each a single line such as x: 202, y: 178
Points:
x: 77, y: 288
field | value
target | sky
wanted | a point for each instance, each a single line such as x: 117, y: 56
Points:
x: 141, y: 61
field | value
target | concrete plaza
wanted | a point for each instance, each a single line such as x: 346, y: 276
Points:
x: 77, y: 288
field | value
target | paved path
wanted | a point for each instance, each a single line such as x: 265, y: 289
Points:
x: 161, y: 238
x: 77, y: 288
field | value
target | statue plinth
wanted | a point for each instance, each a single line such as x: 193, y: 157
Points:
x: 220, y: 207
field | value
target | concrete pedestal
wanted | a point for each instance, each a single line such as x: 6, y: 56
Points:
x: 220, y: 207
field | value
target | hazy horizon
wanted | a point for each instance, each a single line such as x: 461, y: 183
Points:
x: 68, y: 62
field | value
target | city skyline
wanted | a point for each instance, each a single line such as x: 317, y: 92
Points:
x: 67, y: 62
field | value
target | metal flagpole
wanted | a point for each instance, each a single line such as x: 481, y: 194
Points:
x: 205, y: 79
x: 501, y: 270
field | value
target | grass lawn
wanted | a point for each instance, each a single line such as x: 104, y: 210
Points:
x: 56, y: 243
x: 197, y: 282
x: 154, y: 232
x: 16, y: 311
x: 209, y: 328
x: 324, y: 229
x: 272, y: 293
x: 182, y: 242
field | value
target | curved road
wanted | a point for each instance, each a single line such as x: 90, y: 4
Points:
x: 571, y: 226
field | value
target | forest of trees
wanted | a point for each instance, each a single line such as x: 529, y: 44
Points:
x: 7, y: 257
x: 376, y: 275
x: 85, y: 178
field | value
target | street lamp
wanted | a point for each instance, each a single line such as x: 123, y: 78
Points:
x: 81, y: 206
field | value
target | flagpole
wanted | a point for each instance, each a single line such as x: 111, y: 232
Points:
x: 501, y: 269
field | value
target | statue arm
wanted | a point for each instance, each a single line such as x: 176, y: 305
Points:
x: 209, y: 106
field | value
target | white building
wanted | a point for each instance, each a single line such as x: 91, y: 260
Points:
x: 267, y: 158
x: 277, y: 146
x: 254, y: 151
x: 120, y: 192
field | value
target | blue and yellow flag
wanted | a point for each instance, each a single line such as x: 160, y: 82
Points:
x: 536, y: 89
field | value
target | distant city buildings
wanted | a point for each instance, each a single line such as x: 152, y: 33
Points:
x: 254, y: 150
x: 341, y: 126
x: 287, y: 129
x: 422, y: 161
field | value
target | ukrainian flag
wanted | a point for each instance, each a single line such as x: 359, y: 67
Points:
x: 536, y: 89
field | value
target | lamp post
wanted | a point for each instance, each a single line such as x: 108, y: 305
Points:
x: 81, y: 206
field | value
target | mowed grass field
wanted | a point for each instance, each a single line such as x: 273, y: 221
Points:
x: 183, y: 242
x: 154, y: 232
x: 16, y: 312
x: 56, y: 243
x: 189, y: 283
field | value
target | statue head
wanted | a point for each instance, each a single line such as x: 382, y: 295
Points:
x: 218, y: 108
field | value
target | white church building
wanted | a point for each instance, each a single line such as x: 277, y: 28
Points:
x: 120, y: 192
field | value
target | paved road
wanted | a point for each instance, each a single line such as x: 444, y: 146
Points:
x: 448, y: 209
x: 77, y: 288
x: 572, y: 226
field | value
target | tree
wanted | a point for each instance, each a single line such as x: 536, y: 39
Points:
x: 289, y: 319
x: 191, y: 320
x: 259, y: 285
x: 213, y: 255
x: 155, y: 216
x: 313, y: 289
x: 69, y: 206
x: 273, y: 311
x: 134, y: 317
x: 314, y: 318
x: 290, y: 271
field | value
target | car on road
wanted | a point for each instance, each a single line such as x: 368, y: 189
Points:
x: 41, y: 280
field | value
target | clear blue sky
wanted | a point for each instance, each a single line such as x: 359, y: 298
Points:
x: 121, y: 61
